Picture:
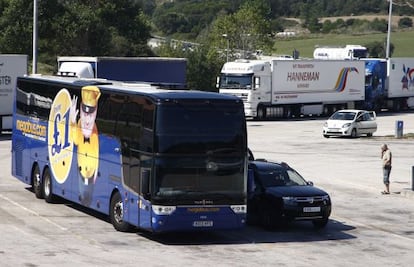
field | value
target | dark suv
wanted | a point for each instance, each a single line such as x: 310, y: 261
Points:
x: 278, y: 194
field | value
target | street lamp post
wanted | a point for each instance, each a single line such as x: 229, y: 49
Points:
x: 387, y: 51
x: 34, y: 63
x: 228, y: 44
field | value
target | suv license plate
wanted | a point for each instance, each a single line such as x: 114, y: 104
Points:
x: 203, y: 223
x: 312, y: 209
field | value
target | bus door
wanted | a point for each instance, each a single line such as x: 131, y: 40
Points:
x: 144, y: 204
x: 131, y: 173
x: 136, y: 178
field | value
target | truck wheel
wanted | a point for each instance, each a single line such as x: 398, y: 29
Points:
x: 117, y: 213
x: 261, y: 113
x: 37, y: 182
x: 47, y: 187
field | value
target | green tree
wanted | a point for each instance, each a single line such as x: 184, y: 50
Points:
x: 76, y: 27
x: 378, y: 49
x: 380, y: 25
x: 405, y: 22
x: 203, y: 64
x: 246, y: 30
x: 313, y: 24
x: 190, y: 16
x: 16, y: 37
x: 327, y: 26
x: 203, y: 68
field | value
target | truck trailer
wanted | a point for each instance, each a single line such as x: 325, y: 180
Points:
x: 155, y: 70
x: 290, y: 88
x: 11, y: 66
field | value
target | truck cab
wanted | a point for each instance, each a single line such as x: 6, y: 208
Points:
x: 76, y: 69
x: 375, y: 79
x: 250, y: 80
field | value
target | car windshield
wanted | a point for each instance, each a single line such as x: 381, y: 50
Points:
x: 280, y: 177
x: 345, y: 116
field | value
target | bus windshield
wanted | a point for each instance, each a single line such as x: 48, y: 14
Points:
x: 186, y: 180
x: 202, y: 148
x: 229, y: 81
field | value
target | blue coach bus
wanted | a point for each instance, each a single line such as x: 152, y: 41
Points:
x: 159, y: 160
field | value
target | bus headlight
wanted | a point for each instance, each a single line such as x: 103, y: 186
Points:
x: 239, y: 208
x: 163, y: 210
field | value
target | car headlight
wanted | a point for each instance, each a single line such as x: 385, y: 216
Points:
x: 288, y: 200
x: 325, y: 124
x: 346, y: 125
x: 326, y: 199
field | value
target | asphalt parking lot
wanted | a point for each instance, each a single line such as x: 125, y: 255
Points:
x: 366, y: 228
x: 300, y: 143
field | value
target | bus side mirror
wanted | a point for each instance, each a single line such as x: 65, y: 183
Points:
x: 145, y: 182
x: 218, y: 82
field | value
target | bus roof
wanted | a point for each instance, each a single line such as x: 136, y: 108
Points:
x: 138, y: 88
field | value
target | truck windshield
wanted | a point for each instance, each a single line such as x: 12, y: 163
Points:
x: 360, y: 53
x: 201, y: 147
x: 368, y: 79
x: 231, y: 81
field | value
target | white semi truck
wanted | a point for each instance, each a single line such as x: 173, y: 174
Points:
x: 348, y: 52
x: 290, y: 88
x: 11, y: 66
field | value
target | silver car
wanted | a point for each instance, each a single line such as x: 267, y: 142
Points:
x: 350, y: 122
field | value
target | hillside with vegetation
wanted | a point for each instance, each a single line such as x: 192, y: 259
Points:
x: 206, y: 32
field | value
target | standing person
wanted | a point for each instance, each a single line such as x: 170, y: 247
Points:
x: 386, y: 157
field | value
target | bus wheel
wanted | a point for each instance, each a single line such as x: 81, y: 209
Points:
x: 47, y: 186
x: 116, y: 214
x: 37, y: 182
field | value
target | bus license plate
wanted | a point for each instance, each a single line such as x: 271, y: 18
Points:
x: 203, y: 223
x: 312, y: 209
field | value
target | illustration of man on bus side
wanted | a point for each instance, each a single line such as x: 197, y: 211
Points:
x: 84, y: 134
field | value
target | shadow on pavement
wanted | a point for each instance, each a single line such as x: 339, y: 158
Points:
x: 296, y: 232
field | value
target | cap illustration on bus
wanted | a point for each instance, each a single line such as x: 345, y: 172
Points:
x: 84, y: 135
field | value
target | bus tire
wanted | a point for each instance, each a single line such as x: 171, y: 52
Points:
x: 47, y: 186
x: 116, y: 214
x: 37, y: 182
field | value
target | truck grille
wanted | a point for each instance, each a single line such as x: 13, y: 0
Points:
x: 239, y: 95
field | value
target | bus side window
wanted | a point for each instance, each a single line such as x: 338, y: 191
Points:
x: 108, y: 112
x: 146, y: 135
